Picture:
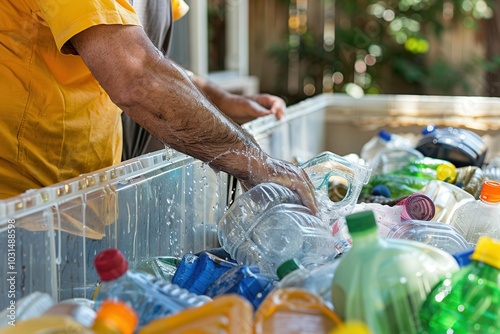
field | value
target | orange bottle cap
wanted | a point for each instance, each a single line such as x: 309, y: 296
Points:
x: 490, y: 192
x: 116, y: 315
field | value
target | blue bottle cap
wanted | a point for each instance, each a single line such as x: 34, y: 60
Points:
x: 463, y: 258
x: 381, y: 190
x: 384, y: 135
x: 429, y: 129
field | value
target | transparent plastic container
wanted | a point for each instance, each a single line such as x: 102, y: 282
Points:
x: 492, y: 169
x: 267, y: 225
x: 30, y: 306
x: 328, y: 170
x: 294, y: 311
x: 382, y: 281
x: 480, y: 217
x: 447, y: 198
x: 435, y: 234
x: 150, y: 297
x: 469, y: 300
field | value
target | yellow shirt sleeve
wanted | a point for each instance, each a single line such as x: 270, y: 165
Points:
x: 66, y: 18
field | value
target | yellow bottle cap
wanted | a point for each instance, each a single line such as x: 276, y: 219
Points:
x: 488, y: 251
x: 351, y: 327
x: 490, y: 192
x: 117, y: 316
x: 446, y: 172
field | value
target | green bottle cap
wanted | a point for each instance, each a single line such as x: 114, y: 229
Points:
x: 287, y: 267
x: 360, y: 222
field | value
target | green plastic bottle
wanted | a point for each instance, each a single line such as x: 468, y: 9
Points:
x: 383, y: 282
x: 430, y: 168
x: 468, y: 301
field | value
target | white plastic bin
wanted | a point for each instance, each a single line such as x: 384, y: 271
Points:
x: 167, y: 203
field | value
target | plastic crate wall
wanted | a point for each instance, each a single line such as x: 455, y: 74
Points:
x: 158, y: 204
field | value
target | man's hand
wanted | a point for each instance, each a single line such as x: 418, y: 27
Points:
x: 240, y: 108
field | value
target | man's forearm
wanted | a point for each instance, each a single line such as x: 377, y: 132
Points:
x: 158, y: 94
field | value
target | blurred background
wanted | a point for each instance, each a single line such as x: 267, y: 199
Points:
x: 301, y: 48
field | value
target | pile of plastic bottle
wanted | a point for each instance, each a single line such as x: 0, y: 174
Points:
x: 406, y: 240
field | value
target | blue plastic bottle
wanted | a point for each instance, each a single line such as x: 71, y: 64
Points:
x: 245, y: 281
x: 150, y: 296
x: 197, y: 273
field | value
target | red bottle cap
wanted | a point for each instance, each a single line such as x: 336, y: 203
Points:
x: 110, y: 264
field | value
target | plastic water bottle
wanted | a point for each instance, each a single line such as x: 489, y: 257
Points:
x: 267, y: 225
x: 294, y: 311
x: 480, y: 217
x: 150, y: 297
x: 197, y: 272
x: 381, y: 141
x: 318, y: 281
x: 245, y: 281
x: 469, y: 300
x: 383, y: 282
x: 492, y: 169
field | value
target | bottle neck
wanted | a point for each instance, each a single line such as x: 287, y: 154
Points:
x: 365, y: 238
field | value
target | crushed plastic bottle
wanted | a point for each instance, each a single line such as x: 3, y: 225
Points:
x: 267, y: 225
x: 380, y: 142
x: 160, y: 266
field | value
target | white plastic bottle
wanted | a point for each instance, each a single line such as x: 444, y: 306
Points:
x: 480, y: 217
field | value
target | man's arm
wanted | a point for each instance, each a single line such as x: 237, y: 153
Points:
x: 158, y: 95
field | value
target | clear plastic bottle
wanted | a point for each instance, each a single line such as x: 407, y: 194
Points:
x: 480, y: 217
x: 150, y: 297
x: 381, y: 141
x: 383, y: 282
x: 318, y: 281
x: 267, y: 225
x: 469, y: 300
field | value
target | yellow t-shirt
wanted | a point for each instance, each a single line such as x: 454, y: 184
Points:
x: 56, y: 122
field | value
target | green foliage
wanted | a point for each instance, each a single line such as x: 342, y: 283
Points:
x: 397, y: 35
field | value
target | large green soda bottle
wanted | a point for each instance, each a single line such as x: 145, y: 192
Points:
x: 430, y: 168
x: 383, y: 282
x: 468, y: 301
